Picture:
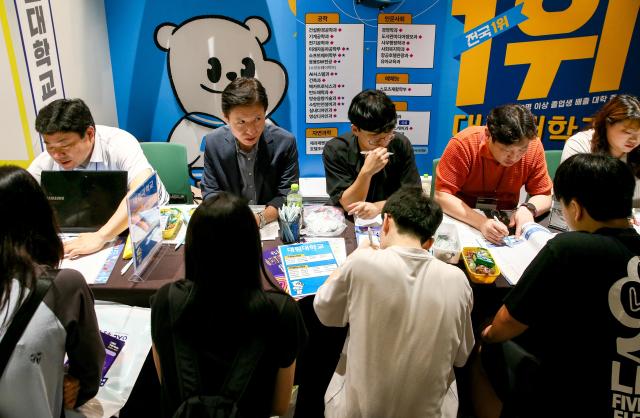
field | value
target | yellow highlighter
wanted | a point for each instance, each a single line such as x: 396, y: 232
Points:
x: 127, y: 253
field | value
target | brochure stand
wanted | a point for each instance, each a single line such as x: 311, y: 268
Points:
x: 144, y: 225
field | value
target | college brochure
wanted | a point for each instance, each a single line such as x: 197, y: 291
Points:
x: 306, y: 266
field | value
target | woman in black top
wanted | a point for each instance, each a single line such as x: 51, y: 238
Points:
x: 223, y: 308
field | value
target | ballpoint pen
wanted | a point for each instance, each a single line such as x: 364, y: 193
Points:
x: 367, y: 152
x: 495, y: 218
x: 126, y: 267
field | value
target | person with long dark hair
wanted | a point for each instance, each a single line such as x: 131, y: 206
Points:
x: 34, y: 380
x: 615, y: 131
x: 220, y: 309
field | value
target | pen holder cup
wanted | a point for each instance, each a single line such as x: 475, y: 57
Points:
x: 289, y: 231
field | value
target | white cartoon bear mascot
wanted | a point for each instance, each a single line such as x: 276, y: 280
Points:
x: 206, y: 53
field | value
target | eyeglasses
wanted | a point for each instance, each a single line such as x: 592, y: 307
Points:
x: 382, y: 140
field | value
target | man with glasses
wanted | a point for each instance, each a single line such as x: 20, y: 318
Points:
x: 484, y: 167
x: 74, y: 142
x: 248, y: 157
x: 365, y: 166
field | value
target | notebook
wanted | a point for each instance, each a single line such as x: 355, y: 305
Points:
x: 84, y: 200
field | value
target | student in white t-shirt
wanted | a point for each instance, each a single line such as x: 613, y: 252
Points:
x: 408, y: 315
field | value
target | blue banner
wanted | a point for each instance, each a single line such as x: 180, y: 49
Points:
x: 492, y: 28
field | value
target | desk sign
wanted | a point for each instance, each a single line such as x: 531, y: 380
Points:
x: 144, y: 224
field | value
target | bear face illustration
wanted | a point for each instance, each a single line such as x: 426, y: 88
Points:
x: 205, y: 54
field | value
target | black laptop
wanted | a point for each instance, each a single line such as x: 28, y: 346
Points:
x: 84, y: 200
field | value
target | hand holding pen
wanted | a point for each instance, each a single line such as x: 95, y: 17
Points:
x: 494, y: 230
x: 370, y: 241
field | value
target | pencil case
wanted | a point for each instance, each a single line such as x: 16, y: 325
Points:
x: 480, y: 265
x: 173, y: 224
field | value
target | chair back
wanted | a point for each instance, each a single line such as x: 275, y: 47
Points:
x: 553, y: 161
x: 433, y: 177
x: 170, y: 161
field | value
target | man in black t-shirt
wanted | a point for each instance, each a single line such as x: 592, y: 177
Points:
x: 576, y: 307
x: 365, y: 166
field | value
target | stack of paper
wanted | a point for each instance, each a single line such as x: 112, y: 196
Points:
x: 313, y: 190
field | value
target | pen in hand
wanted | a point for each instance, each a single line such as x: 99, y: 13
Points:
x: 495, y: 218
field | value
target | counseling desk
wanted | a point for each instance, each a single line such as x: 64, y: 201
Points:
x: 314, y: 367
x: 317, y: 361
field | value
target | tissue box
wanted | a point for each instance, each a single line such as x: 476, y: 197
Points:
x: 447, y: 244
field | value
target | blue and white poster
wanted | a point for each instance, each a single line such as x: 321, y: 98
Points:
x: 445, y: 64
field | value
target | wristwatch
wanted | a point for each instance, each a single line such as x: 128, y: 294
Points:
x: 531, y: 207
x: 263, y: 221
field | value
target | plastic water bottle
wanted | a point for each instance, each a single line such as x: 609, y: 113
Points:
x: 426, y: 184
x: 294, y: 198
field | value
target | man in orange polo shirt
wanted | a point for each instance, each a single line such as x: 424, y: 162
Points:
x: 484, y: 167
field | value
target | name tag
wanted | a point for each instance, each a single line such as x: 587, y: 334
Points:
x: 486, y: 203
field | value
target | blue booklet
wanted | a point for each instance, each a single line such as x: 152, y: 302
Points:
x: 306, y: 266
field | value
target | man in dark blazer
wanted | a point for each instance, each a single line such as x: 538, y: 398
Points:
x: 248, y: 157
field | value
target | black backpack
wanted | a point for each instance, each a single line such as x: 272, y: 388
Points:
x: 225, y: 403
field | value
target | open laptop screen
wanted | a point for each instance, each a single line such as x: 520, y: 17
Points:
x: 84, y: 200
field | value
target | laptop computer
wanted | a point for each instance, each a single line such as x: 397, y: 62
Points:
x: 84, y: 200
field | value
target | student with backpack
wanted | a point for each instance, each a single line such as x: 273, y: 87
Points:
x: 223, y: 345
x: 44, y: 312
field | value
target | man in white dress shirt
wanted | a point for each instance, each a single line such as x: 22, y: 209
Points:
x: 74, y: 142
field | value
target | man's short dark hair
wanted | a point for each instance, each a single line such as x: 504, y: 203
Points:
x: 64, y: 115
x: 510, y: 123
x: 373, y: 111
x: 414, y: 212
x: 243, y: 91
x: 603, y: 185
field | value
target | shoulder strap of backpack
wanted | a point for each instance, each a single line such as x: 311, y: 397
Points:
x: 242, y: 368
x: 188, y: 372
x: 21, y: 320
x: 246, y: 362
x: 186, y: 358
